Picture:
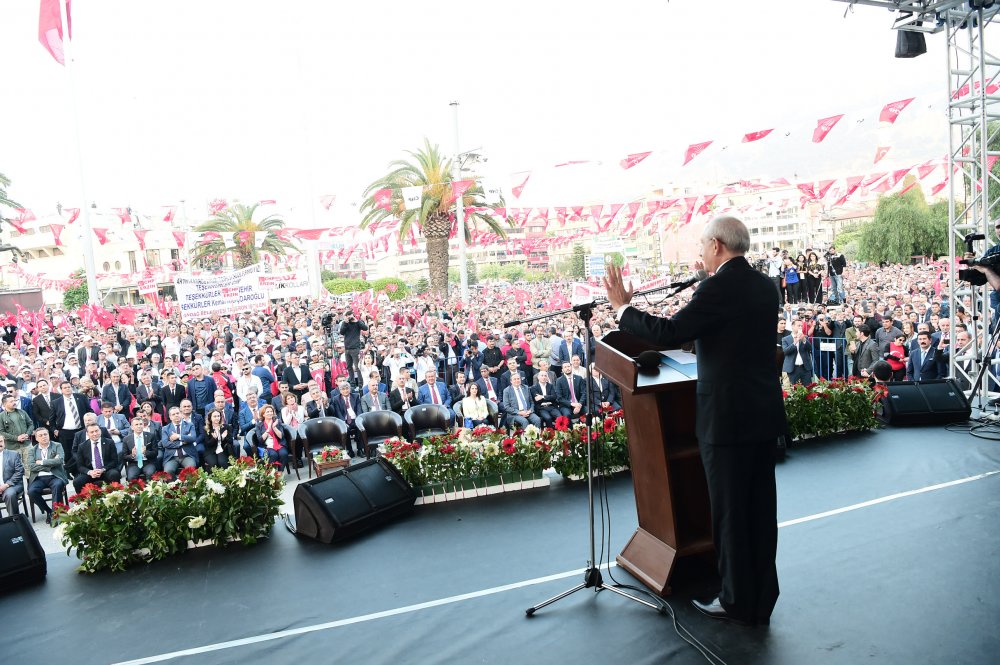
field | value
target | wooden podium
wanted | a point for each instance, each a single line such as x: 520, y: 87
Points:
x: 671, y: 495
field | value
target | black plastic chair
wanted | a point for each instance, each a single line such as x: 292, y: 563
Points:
x: 376, y: 427
x: 325, y: 431
x: 427, y: 420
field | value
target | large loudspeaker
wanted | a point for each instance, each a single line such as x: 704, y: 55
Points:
x: 924, y: 403
x: 350, y: 500
x: 22, y: 560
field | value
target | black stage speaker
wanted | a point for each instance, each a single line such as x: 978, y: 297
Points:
x: 350, y: 500
x: 924, y: 403
x: 22, y: 560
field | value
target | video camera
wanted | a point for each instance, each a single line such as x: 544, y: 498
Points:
x: 975, y: 277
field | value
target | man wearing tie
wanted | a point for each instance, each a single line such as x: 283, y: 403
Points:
x: 569, y: 391
x: 925, y: 362
x: 117, y: 393
x: 172, y: 392
x: 297, y: 376
x: 47, y: 470
x: 41, y: 405
x: 569, y: 347
x: 518, y: 404
x: 139, y: 449
x: 347, y: 406
x: 434, y: 391
x: 373, y: 400
x: 544, y: 396
x: 178, y: 442
x: 319, y: 406
x: 114, y: 423
x: 488, y: 385
x: 401, y: 398
x: 460, y: 390
x: 96, y: 460
x: 149, y: 392
x: 67, y: 415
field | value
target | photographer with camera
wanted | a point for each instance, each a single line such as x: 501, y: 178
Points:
x: 835, y: 265
x: 350, y: 332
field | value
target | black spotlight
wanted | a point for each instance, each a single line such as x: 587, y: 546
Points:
x: 910, y: 44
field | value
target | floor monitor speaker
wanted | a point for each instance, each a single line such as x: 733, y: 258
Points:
x: 924, y: 403
x: 22, y: 560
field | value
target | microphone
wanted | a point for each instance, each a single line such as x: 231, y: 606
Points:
x: 697, y: 277
x: 649, y: 361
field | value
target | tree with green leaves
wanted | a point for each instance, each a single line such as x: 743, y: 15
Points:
x: 904, y: 226
x: 78, y: 295
x: 429, y: 169
x: 236, y: 227
x: 578, y: 267
x: 5, y: 200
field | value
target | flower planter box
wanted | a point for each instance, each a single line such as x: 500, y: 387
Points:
x: 322, y: 467
x: 471, y: 488
x: 582, y: 476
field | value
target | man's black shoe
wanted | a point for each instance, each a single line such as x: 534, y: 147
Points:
x: 48, y: 518
x: 715, y: 610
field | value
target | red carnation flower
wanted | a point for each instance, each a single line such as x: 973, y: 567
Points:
x: 509, y: 448
x: 448, y: 449
x: 562, y: 423
x: 162, y: 475
x: 609, y: 425
x: 593, y: 436
x: 188, y: 472
x: 784, y: 394
x: 812, y: 396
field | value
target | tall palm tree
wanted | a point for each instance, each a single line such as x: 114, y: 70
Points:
x: 238, y: 224
x: 436, y: 213
x: 4, y: 200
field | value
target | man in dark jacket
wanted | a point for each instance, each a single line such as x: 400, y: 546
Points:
x: 739, y: 414
x: 350, y: 330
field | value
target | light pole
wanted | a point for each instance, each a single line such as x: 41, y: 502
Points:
x: 456, y: 167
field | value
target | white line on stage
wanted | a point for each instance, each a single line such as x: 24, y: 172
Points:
x: 219, y: 646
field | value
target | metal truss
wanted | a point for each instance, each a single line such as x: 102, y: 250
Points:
x: 930, y: 15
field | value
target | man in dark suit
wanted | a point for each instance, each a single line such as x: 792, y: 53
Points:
x: 489, y: 385
x: 172, y: 392
x: 401, y: 397
x: 347, y: 406
x: 96, y: 460
x: 569, y: 347
x: 867, y: 353
x: 319, y: 406
x: 739, y: 411
x: 925, y: 363
x: 543, y: 394
x: 178, y: 442
x: 139, y: 451
x: 518, y: 404
x: 603, y: 394
x: 149, y: 392
x: 570, y: 392
x: 68, y: 410
x: 460, y: 389
x: 89, y: 350
x: 12, y: 482
x: 297, y: 376
x: 798, y: 357
x: 504, y: 381
x: 118, y: 394
x: 41, y: 405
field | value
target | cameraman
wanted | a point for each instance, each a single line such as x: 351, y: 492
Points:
x: 835, y: 265
x: 350, y: 331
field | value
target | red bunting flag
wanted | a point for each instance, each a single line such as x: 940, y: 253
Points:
x: 577, y: 211
x: 824, y: 187
x: 596, y: 211
x: 309, y: 234
x: 694, y: 150
x: 938, y: 187
x: 383, y: 199
x: 178, y: 238
x: 124, y: 215
x: 823, y: 127
x: 57, y: 232
x: 459, y: 187
x: 756, y: 136
x: 74, y: 213
x: 807, y: 189
x: 140, y: 235
x: 925, y: 170
x: 327, y: 201
x: 268, y: 202
x: 706, y: 204
x: 169, y: 217
x: 560, y: 215
x: 517, y: 189
x: 50, y: 28
x: 634, y: 159
x: 102, y: 234
x: 892, y: 110
x: 881, y: 152
x: 781, y: 182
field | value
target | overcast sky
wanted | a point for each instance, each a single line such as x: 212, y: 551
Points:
x: 197, y: 99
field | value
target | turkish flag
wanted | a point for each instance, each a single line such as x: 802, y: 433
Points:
x: 823, y: 127
x: 925, y: 170
x: 459, y: 187
x: 577, y: 211
x: 50, y: 29
x: 780, y: 182
x: 807, y: 189
x: 694, y: 150
x: 73, y: 214
x: 880, y: 152
x: 140, y: 235
x: 634, y: 159
x: 102, y: 235
x: 517, y: 189
x: 756, y: 136
x: 824, y: 187
x: 892, y: 110
x: 383, y: 199
x: 560, y: 215
x: 56, y: 232
x: 123, y: 215
x: 169, y: 217
x: 707, y: 201
x: 178, y: 238
x: 596, y: 210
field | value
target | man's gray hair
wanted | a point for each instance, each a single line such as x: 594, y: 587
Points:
x: 731, y: 232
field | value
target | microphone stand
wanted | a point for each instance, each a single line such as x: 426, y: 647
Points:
x: 592, y: 578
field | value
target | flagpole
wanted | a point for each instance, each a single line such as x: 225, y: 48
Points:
x: 93, y: 297
x: 463, y: 268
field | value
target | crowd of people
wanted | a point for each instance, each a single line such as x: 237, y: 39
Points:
x: 86, y: 405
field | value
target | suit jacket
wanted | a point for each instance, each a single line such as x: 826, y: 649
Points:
x: 187, y: 444
x: 456, y: 393
x: 510, y: 405
x: 804, y: 349
x: 562, y: 391
x: 85, y: 456
x: 13, y: 469
x: 565, y: 355
x: 549, y: 399
x: 85, y: 353
x: 552, y: 378
x: 289, y: 377
x: 396, y: 400
x: 43, y: 410
x: 314, y: 410
x: 496, y: 388
x: 247, y: 418
x: 731, y: 318
x: 119, y: 423
x: 603, y: 391
x: 504, y: 381
x: 54, y: 463
x: 866, y: 356
x: 59, y: 410
x: 424, y: 394
x: 150, y: 447
x: 340, y: 410
x: 367, y: 404
x: 229, y: 414
x: 124, y: 396
x: 929, y: 369
x: 172, y: 397
x: 152, y: 394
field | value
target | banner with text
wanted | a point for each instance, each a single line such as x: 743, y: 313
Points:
x: 239, y: 291
x: 280, y: 286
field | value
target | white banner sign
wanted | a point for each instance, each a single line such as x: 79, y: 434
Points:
x: 147, y: 286
x: 240, y: 291
x: 412, y: 197
x: 280, y: 286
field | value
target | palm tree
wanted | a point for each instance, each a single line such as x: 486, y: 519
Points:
x: 437, y: 210
x: 237, y: 222
x: 4, y: 200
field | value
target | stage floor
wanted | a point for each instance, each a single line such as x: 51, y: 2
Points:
x: 887, y: 553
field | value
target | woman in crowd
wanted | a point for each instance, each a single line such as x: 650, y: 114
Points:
x: 790, y: 276
x: 218, y: 440
x: 148, y: 411
x: 366, y: 365
x: 474, y: 406
x: 896, y: 353
x: 271, y: 437
x: 293, y: 415
x: 814, y: 278
x: 90, y: 391
x: 909, y: 331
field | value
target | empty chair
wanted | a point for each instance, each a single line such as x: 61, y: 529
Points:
x: 325, y: 431
x: 376, y: 427
x: 427, y: 420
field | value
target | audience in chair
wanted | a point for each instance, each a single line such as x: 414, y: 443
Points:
x: 46, y: 470
x: 96, y: 460
x: 140, y: 450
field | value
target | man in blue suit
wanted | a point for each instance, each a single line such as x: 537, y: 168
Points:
x: 347, y: 406
x: 489, y: 387
x: 229, y: 416
x: 118, y: 394
x: 519, y: 405
x: 798, y: 357
x: 925, y: 363
x: 569, y: 347
x: 178, y: 443
x: 434, y: 391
